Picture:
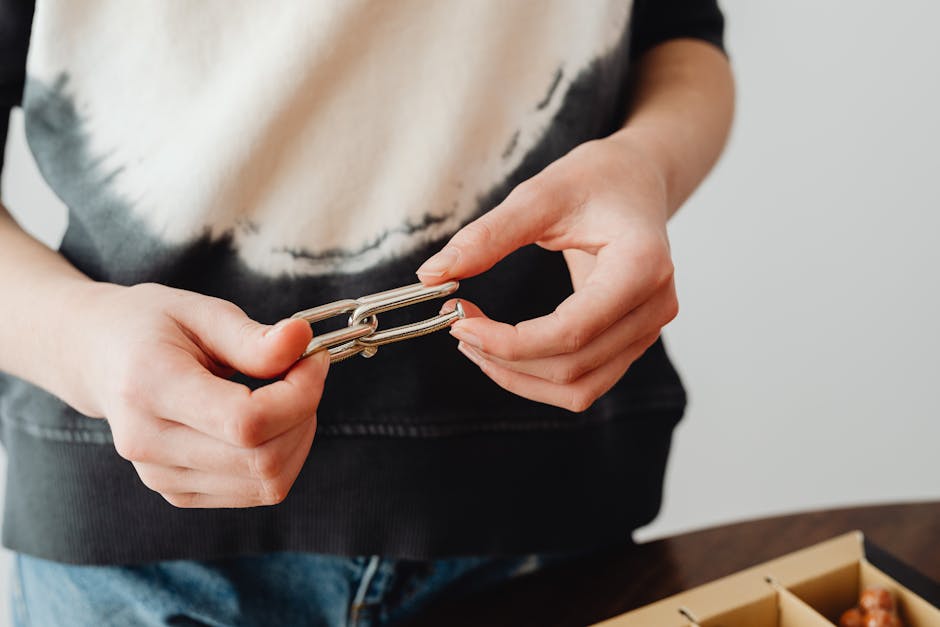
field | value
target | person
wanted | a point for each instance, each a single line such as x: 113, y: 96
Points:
x: 171, y: 460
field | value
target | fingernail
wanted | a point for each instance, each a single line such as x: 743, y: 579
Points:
x: 466, y: 337
x: 439, y: 264
x: 469, y: 353
x: 277, y: 328
x: 323, y: 356
x: 451, y: 307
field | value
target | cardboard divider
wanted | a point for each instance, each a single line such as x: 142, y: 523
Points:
x: 836, y: 591
x: 760, y: 613
x: 774, y: 608
x: 780, y: 609
x: 830, y: 593
x: 795, y: 613
x: 751, y: 596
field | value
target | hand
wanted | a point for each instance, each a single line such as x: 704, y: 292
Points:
x: 154, y: 360
x: 604, y: 204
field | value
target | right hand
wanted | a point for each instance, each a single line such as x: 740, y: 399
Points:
x: 154, y: 362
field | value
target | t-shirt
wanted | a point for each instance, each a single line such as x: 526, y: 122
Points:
x: 284, y: 158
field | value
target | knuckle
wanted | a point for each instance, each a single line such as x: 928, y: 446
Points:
x: 672, y: 309
x: 145, y: 290
x: 533, y: 191
x: 132, y: 389
x: 213, y: 307
x: 660, y: 261
x: 267, y: 463
x: 653, y: 252
x: 249, y: 329
x: 573, y: 335
x: 147, y: 479
x: 276, y: 490
x: 477, y: 234
x: 580, y: 400
x: 154, y: 480
x: 507, y: 351
x: 131, y: 448
x: 566, y: 373
x: 225, y: 306
x: 667, y: 270
x: 574, y: 340
x: 245, y: 428
x: 648, y: 341
x: 181, y: 500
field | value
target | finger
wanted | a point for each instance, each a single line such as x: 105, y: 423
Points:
x: 175, y: 480
x: 232, y: 338
x: 185, y: 487
x: 524, y: 217
x: 576, y: 396
x: 291, y: 400
x: 618, y: 284
x: 174, y: 444
x: 649, y: 318
x: 233, y: 413
x: 194, y: 500
x: 179, y: 480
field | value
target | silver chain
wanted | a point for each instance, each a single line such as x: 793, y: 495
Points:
x: 361, y: 335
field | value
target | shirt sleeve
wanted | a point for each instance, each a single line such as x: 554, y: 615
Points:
x: 16, y: 19
x: 656, y: 21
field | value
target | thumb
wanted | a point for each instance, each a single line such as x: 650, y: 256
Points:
x: 519, y: 220
x: 231, y: 337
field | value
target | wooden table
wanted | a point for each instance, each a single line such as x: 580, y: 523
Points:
x: 619, y: 579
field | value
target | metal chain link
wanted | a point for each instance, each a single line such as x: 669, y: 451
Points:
x: 361, y: 334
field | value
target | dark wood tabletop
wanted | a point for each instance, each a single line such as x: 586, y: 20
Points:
x: 592, y: 588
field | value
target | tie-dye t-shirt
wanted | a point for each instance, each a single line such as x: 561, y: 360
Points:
x: 283, y: 156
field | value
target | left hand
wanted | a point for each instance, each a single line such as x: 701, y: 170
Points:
x: 605, y: 205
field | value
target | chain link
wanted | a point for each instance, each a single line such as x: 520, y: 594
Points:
x: 361, y: 336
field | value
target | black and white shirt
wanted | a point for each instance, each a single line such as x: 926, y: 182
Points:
x: 283, y: 158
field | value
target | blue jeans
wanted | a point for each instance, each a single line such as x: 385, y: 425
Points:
x: 274, y: 589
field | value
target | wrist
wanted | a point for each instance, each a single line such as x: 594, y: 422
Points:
x: 650, y: 163
x: 71, y: 350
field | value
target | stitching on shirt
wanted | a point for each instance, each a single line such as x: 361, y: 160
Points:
x: 425, y: 430
x: 627, y: 402
x: 519, y: 425
x: 62, y: 434
x: 662, y: 400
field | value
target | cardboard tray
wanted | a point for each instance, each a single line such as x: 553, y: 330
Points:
x: 809, y: 588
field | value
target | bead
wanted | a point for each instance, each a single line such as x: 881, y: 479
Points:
x: 851, y: 618
x: 876, y: 598
x: 881, y: 618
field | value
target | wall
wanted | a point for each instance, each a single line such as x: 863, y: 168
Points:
x: 807, y: 269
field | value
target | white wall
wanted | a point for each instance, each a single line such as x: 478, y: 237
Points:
x: 807, y: 268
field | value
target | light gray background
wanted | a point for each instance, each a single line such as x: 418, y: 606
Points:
x: 807, y: 268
